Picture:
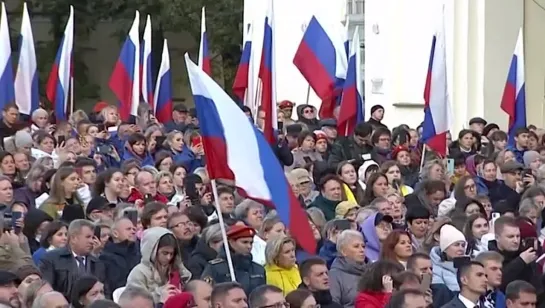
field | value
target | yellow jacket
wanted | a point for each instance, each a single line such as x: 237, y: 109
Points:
x: 286, y: 279
x: 349, y: 194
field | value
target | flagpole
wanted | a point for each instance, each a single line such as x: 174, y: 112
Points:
x: 223, y: 232
x: 308, y: 94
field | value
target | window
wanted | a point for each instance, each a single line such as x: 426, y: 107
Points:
x: 359, y: 6
x: 349, y: 7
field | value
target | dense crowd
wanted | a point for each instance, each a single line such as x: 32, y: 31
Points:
x: 103, y: 213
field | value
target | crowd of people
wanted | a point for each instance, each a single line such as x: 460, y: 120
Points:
x: 98, y: 212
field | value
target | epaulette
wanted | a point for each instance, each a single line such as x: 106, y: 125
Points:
x: 216, y: 261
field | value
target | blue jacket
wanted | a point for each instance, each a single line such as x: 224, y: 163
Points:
x: 443, y: 271
x: 147, y: 160
x: 188, y: 159
x: 328, y: 252
x: 38, y: 255
x: 519, y: 154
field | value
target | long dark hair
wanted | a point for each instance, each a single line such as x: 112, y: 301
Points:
x: 82, y: 286
x: 468, y: 232
x: 52, y: 228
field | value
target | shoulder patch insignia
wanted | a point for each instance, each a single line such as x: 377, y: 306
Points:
x: 208, y: 280
x: 215, y: 261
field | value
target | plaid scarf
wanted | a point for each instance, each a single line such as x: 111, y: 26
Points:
x: 488, y: 300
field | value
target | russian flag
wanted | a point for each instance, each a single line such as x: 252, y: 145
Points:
x: 125, y: 79
x: 58, y: 84
x: 163, y: 89
x: 7, y: 93
x: 204, y: 56
x: 347, y: 39
x: 145, y: 66
x: 436, y: 109
x: 351, y: 110
x: 268, y: 78
x: 514, y: 95
x: 240, y: 85
x: 241, y: 151
x: 26, y: 79
x: 321, y: 59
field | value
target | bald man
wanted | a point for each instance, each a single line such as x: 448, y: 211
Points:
x: 51, y: 300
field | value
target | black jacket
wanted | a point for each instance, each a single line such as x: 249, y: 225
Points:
x: 187, y: 247
x: 119, y: 259
x: 201, y: 255
x: 283, y: 153
x: 455, y: 303
x: 323, y: 298
x: 60, y: 269
x: 345, y: 148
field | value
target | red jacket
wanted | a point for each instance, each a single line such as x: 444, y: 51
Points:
x: 137, y: 195
x: 372, y: 299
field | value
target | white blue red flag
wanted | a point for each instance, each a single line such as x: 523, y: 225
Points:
x: 268, y: 78
x: 163, y: 89
x: 436, y: 109
x: 145, y: 66
x: 26, y: 78
x: 351, y: 110
x: 58, y: 84
x: 204, y: 55
x: 236, y: 150
x: 125, y: 79
x: 514, y: 95
x: 240, y: 85
x: 321, y: 59
x: 7, y: 93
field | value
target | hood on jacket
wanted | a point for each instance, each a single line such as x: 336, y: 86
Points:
x: 299, y: 111
x: 149, y: 243
x: 33, y: 219
x: 372, y: 242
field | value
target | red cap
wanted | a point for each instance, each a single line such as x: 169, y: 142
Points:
x: 181, y: 300
x: 320, y: 134
x: 99, y: 106
x: 285, y: 104
x: 398, y: 149
x: 239, y: 231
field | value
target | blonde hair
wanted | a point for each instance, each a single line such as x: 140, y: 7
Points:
x: 162, y: 174
x: 77, y: 116
x: 274, y: 247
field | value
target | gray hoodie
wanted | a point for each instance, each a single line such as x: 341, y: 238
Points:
x: 145, y: 275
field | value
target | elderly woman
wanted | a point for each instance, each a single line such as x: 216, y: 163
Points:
x: 281, y: 270
x: 33, y: 188
x: 252, y: 213
x: 347, y: 268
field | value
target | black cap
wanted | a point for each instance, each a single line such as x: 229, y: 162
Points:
x: 328, y: 123
x: 98, y: 203
x: 193, y: 112
x: 380, y: 217
x: 477, y: 120
x: 7, y: 278
x: 294, y: 129
x: 180, y: 108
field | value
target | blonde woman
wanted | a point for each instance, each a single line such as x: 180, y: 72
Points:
x: 398, y: 206
x: 281, y: 270
x: 165, y: 185
x: 110, y: 116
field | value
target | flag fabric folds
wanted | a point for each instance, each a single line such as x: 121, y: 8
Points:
x: 7, y: 93
x: 163, y: 89
x: 235, y: 147
x: 204, y: 56
x: 240, y: 85
x: 145, y: 66
x: 26, y: 78
x: 436, y: 109
x: 321, y: 59
x: 58, y: 84
x: 514, y: 95
x: 267, y: 76
x: 351, y: 110
x: 125, y: 78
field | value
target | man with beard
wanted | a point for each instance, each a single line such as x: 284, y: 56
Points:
x: 8, y: 289
x: 315, y: 278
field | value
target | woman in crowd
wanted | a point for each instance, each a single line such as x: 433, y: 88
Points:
x: 330, y: 233
x: 301, y: 298
x: 393, y: 174
x: 347, y: 268
x: 63, y: 193
x: 452, y: 244
x: 376, y: 228
x: 54, y: 236
x: 207, y: 249
x: 399, y: 209
x: 36, y: 222
x: 352, y: 189
x: 281, y: 269
x: 377, y: 186
x: 165, y: 185
x: 465, y: 188
x: 306, y: 152
x: 376, y: 286
x: 109, y: 184
x: 397, y: 248
x: 86, y: 290
x: 163, y: 161
x: 161, y: 263
x: 33, y: 188
x: 476, y: 226
x: 187, y: 154
x: 409, y: 171
x: 178, y: 175
x: 487, y: 179
x: 136, y: 148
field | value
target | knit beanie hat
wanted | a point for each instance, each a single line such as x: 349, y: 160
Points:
x: 529, y: 157
x: 375, y: 108
x: 450, y: 235
x: 23, y: 139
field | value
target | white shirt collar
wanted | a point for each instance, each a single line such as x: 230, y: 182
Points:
x: 467, y: 303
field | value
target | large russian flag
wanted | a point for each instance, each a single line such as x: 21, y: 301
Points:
x: 268, y: 78
x: 321, y: 59
x: 351, y: 110
x: 58, y: 84
x: 163, y: 89
x: 242, y: 153
x: 204, y: 56
x: 125, y: 79
x: 26, y: 79
x: 145, y: 66
x: 240, y: 85
x: 436, y: 109
x: 7, y: 93
x: 514, y: 95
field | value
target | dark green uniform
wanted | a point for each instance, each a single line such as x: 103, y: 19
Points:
x: 248, y: 273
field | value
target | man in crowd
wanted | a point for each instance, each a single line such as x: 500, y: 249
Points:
x: 61, y: 267
x: 8, y: 289
x: 267, y: 296
x: 228, y: 295
x: 408, y: 298
x: 520, y: 294
x: 330, y: 195
x: 133, y: 297
x: 51, y: 299
x: 154, y: 214
x: 315, y: 278
x: 420, y: 264
x: 353, y: 147
x: 201, y: 292
x: 145, y: 190
x: 493, y: 265
x: 473, y: 284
